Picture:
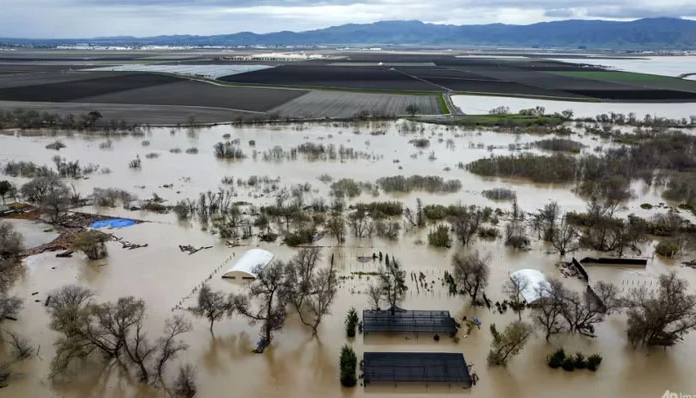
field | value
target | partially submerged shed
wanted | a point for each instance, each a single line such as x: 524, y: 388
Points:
x: 416, y: 367
x: 248, y: 264
x: 377, y: 321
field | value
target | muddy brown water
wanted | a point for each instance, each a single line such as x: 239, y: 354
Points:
x: 297, y: 365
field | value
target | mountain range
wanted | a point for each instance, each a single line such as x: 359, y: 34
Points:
x: 649, y: 33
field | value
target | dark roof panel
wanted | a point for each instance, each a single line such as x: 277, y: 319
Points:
x: 408, y: 322
x: 416, y: 367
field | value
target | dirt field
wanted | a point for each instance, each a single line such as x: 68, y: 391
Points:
x: 193, y: 93
x: 73, y: 90
x: 336, y: 104
x: 360, y: 77
x: 137, y: 114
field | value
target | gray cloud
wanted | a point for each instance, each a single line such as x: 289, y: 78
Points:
x: 89, y: 18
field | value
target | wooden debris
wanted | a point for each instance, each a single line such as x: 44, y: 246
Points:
x: 192, y: 250
x: 65, y: 254
x: 126, y: 244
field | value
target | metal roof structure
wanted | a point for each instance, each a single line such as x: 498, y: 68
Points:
x: 246, y: 266
x: 534, y: 288
x: 416, y: 367
x: 376, y: 321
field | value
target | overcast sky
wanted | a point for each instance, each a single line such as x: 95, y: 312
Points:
x: 91, y: 18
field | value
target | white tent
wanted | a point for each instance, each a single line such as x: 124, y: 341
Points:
x: 535, y: 280
x: 246, y: 265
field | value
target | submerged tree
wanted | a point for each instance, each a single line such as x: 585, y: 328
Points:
x: 663, y: 317
x: 471, y: 273
x: 185, y: 382
x: 375, y: 296
x: 547, y: 314
x: 337, y: 228
x: 467, y: 222
x: 392, y: 284
x: 513, y: 290
x: 564, y: 237
x: 212, y: 305
x: 92, y: 243
x: 113, y: 329
x: 509, y: 343
x: 309, y: 290
x: 560, y: 309
x: 264, y: 300
x: 6, y: 189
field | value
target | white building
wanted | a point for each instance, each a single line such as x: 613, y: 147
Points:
x: 246, y: 266
x: 535, y: 283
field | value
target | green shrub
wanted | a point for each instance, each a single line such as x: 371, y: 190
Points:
x: 381, y: 209
x: 579, y: 361
x: 345, y: 187
x: 547, y: 169
x: 349, y: 365
x: 646, y: 206
x: 488, y: 233
x: 440, y: 237
x: 569, y: 364
x: 557, y: 359
x: 432, y: 184
x: 499, y: 194
x: 667, y: 248
x: 351, y: 322
x: 303, y: 236
x: 559, y: 145
x: 593, y: 362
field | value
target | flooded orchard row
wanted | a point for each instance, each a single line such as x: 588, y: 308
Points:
x: 297, y: 364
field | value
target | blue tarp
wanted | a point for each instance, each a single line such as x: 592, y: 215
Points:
x: 113, y: 223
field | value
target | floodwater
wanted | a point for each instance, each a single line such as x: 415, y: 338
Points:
x: 479, y: 104
x: 666, y: 66
x: 297, y: 365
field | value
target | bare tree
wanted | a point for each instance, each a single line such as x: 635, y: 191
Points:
x: 360, y: 223
x: 561, y: 309
x: 264, y: 301
x: 309, y: 290
x: 10, y: 241
x: 92, y: 243
x: 392, y: 283
x: 564, y: 237
x: 509, y: 343
x: 375, y: 295
x: 337, y: 228
x: 113, y: 329
x: 471, y: 273
x: 663, y: 317
x: 185, y: 382
x: 583, y: 311
x: 466, y: 223
x: 21, y: 350
x: 212, y: 305
x: 513, y: 289
x: 547, y: 314
x: 547, y: 220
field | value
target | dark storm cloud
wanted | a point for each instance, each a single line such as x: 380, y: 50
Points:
x: 87, y: 18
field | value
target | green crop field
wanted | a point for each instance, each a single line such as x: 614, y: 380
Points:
x: 630, y: 78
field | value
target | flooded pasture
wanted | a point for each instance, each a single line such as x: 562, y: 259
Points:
x: 297, y: 364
